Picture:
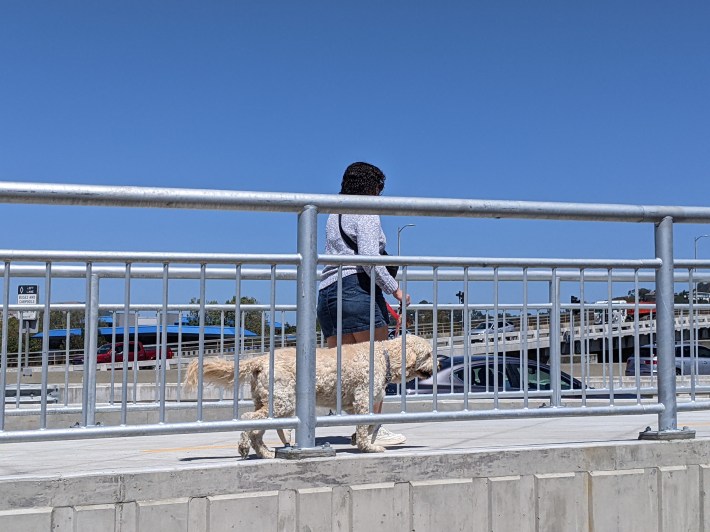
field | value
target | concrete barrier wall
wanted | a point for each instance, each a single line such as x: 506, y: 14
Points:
x: 644, y: 486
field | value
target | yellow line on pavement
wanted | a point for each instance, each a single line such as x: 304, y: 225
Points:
x: 692, y: 423
x: 201, y: 447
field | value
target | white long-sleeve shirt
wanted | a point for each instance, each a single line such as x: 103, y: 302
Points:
x: 365, y: 230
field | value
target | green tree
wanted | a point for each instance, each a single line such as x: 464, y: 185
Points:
x: 57, y: 320
x: 252, y: 318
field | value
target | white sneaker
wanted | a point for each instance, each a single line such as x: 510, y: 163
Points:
x: 382, y: 436
x: 353, y: 438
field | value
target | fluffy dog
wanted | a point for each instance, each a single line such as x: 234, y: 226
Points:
x: 355, y: 376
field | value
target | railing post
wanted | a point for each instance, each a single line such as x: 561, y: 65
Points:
x: 306, y: 300
x: 665, y: 328
x: 665, y: 337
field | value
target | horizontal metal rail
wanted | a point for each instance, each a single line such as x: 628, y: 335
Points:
x: 182, y: 198
x: 85, y: 433
x: 487, y: 262
x: 461, y: 415
x: 137, y: 407
x: 286, y: 274
x: 147, y: 257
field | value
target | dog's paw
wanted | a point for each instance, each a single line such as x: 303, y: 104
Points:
x: 266, y: 453
x: 244, y: 445
x: 372, y: 448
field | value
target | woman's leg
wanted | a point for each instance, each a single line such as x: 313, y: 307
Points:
x: 364, y: 336
x: 358, y: 337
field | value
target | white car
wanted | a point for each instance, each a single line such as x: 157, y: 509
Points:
x: 490, y: 328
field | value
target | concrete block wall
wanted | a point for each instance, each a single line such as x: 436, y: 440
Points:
x: 644, y: 486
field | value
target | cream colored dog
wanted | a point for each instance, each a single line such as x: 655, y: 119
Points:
x: 355, y: 370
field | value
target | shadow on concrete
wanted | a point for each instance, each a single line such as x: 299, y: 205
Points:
x: 196, y: 458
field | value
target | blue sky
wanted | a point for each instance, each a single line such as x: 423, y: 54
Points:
x: 545, y: 101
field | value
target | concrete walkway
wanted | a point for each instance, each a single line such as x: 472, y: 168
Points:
x: 163, y: 453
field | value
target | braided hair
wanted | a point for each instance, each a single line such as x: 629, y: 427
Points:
x: 362, y: 179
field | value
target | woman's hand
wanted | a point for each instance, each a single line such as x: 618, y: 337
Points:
x: 398, y: 295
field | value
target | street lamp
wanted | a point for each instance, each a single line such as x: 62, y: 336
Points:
x: 695, y: 257
x: 399, y: 230
x: 695, y: 254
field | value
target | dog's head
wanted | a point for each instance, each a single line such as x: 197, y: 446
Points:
x: 419, y: 360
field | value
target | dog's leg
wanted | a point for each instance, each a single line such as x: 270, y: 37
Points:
x: 284, y: 436
x: 255, y: 437
x: 284, y: 405
x: 244, y: 445
x: 363, y: 439
x: 363, y: 436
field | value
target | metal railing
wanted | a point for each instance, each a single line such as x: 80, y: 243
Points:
x: 300, y: 269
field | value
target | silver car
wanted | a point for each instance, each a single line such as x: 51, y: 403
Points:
x: 684, y: 360
x: 490, y: 328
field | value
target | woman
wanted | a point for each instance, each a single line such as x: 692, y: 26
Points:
x: 358, y: 234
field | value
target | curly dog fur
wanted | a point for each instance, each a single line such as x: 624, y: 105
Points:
x: 355, y: 370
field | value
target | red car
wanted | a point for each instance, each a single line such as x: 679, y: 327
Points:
x: 103, y: 354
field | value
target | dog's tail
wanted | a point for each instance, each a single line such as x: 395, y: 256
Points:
x: 217, y: 372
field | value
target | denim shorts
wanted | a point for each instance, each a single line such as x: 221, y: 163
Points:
x: 356, y: 307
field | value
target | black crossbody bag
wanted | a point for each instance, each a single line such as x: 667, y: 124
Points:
x: 392, y: 270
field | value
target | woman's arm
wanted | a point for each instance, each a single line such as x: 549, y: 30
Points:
x: 368, y: 243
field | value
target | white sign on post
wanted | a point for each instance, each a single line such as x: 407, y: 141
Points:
x: 27, y: 295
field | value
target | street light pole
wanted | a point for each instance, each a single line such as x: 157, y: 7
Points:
x: 695, y: 253
x: 695, y: 257
x: 399, y: 230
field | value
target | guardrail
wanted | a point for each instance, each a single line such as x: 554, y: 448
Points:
x: 301, y: 270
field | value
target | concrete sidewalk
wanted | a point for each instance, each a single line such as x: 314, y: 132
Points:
x: 189, y: 451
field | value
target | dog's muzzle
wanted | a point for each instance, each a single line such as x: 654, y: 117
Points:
x: 427, y: 372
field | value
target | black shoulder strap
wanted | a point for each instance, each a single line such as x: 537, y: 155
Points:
x: 348, y: 241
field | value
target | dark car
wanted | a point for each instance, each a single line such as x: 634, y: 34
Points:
x: 482, y: 377
x: 684, y: 360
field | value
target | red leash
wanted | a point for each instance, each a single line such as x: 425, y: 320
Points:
x: 398, y: 318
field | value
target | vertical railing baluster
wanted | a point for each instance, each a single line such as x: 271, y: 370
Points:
x: 272, y: 341
x: 45, y: 342
x: 87, y: 354
x: 556, y: 379
x: 403, y: 334
x: 3, y: 359
x: 610, y: 334
x: 238, y: 330
x: 435, y: 338
x: 67, y: 347
x: 525, y: 378
x: 162, y: 355
x: 201, y: 341
x: 90, y: 357
x: 126, y: 340
x: 466, y: 341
